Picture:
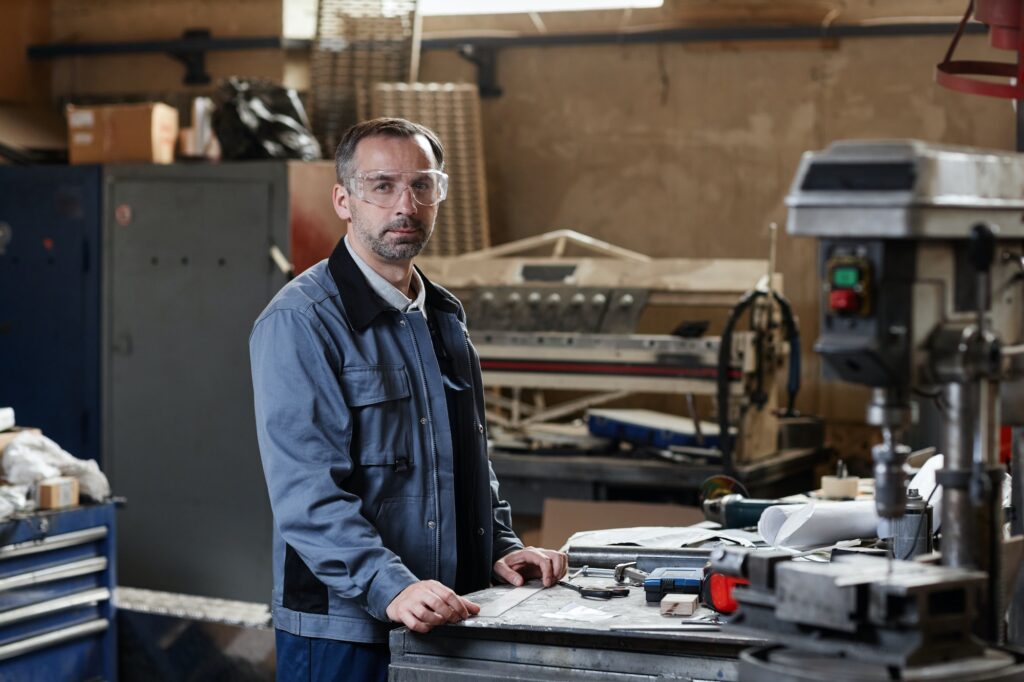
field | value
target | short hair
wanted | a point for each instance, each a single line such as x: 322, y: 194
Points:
x: 344, y: 157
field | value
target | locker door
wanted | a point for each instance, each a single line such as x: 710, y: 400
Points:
x: 49, y: 298
x: 189, y: 274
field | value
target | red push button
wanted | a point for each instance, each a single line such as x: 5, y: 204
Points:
x: 844, y: 301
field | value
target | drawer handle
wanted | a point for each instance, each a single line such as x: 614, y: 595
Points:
x: 46, y: 575
x: 44, y: 608
x: 78, y: 537
x: 49, y: 639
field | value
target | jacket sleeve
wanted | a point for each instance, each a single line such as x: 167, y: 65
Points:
x: 304, y: 429
x: 505, y: 539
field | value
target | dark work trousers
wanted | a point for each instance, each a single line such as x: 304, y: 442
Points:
x: 310, y: 659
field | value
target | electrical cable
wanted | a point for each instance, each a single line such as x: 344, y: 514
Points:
x: 725, y: 355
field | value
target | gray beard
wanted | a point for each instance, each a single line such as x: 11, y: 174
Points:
x: 409, y: 247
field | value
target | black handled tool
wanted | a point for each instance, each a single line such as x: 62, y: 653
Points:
x: 604, y: 593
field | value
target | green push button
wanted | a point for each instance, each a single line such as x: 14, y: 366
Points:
x: 845, y: 277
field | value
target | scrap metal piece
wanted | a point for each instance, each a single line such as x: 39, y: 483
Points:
x: 194, y: 607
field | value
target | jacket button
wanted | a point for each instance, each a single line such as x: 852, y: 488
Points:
x: 431, y: 524
x: 423, y: 420
x: 481, y: 427
x: 401, y: 322
x: 479, y: 531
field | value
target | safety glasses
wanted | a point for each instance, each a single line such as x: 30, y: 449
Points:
x: 385, y: 187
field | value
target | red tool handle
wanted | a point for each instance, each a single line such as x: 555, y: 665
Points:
x: 717, y: 591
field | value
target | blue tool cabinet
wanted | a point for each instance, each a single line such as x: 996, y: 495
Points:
x: 50, y: 226
x: 57, y: 579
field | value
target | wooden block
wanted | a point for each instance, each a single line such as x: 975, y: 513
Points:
x: 836, y: 488
x: 678, y: 604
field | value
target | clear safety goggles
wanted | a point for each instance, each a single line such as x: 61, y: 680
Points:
x: 385, y: 187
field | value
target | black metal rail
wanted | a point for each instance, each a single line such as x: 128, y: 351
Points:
x: 192, y: 47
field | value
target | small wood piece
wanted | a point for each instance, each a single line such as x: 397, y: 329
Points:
x: 57, y: 493
x: 836, y: 488
x: 678, y: 604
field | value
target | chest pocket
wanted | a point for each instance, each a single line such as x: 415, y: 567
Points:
x: 379, y: 398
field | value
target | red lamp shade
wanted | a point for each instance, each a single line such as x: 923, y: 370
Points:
x: 1004, y: 19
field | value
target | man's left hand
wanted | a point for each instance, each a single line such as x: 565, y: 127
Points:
x: 519, y: 566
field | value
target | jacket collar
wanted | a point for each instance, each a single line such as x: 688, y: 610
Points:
x: 439, y: 299
x: 361, y: 302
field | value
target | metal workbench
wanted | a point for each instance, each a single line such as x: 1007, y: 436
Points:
x: 522, y: 644
x: 528, y: 479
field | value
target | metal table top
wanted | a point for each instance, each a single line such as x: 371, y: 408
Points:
x: 523, y: 644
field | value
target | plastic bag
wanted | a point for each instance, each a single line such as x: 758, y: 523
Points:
x: 33, y: 457
x: 260, y: 120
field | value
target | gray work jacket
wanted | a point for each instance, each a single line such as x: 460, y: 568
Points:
x: 354, y: 436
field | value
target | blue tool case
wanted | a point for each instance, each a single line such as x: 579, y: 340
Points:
x: 662, y: 581
x: 57, y: 579
x: 645, y: 428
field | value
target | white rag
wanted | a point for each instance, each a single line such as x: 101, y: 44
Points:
x: 32, y: 457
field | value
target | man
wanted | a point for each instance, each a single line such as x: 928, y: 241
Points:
x: 370, y: 417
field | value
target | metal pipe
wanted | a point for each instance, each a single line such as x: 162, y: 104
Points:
x: 610, y: 557
x: 680, y: 35
x: 990, y: 541
x: 1015, y: 619
x: 702, y: 34
x: 956, y: 511
x: 986, y: 424
x: 204, y: 44
x: 972, y: 495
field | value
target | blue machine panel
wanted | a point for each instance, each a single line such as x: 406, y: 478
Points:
x: 49, y: 301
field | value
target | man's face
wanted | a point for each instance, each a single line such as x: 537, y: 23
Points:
x: 398, y: 233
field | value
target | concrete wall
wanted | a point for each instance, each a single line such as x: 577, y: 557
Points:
x: 688, y: 150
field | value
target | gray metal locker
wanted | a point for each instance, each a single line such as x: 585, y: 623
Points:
x: 187, y: 270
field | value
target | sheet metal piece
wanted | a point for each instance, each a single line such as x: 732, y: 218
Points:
x: 508, y: 600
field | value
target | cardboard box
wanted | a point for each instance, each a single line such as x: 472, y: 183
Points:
x: 57, y: 493
x: 141, y: 133
x: 562, y: 518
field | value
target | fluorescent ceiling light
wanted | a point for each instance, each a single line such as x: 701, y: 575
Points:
x: 449, y: 7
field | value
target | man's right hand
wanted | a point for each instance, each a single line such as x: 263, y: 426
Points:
x: 423, y: 606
